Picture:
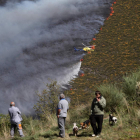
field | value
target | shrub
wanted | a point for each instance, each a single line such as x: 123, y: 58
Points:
x: 4, y: 124
x: 80, y: 113
x: 114, y: 97
x: 47, y: 101
x: 129, y: 85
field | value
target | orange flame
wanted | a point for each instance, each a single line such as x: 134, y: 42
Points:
x: 82, y: 74
x: 93, y: 47
x: 112, y: 12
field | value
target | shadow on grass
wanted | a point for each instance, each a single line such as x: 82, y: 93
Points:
x: 54, y: 128
x: 25, y: 138
x: 83, y: 134
x: 48, y: 135
x: 112, y: 124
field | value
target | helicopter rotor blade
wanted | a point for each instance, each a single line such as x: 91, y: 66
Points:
x: 83, y: 44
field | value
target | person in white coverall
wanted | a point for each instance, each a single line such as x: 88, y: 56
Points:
x: 15, y: 119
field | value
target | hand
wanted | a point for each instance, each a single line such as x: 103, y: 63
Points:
x: 57, y: 116
x: 98, y: 99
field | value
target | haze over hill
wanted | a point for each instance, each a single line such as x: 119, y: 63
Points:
x: 36, y: 43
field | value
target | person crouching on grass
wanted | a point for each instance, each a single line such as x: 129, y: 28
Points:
x: 62, y: 109
x: 97, y: 113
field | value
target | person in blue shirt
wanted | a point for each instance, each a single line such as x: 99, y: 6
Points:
x: 62, y: 109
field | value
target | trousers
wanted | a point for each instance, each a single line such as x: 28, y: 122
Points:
x: 61, y: 125
x: 19, y: 127
x: 97, y: 128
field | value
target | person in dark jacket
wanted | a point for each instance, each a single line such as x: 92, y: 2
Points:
x: 97, y: 113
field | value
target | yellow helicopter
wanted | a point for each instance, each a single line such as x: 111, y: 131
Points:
x: 86, y: 48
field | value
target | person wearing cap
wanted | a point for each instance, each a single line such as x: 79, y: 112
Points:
x: 62, y: 109
x: 15, y: 119
x: 97, y: 113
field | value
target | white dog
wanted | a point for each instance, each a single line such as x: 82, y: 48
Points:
x: 112, y: 119
x: 75, y: 129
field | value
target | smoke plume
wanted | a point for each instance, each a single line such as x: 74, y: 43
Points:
x: 36, y: 43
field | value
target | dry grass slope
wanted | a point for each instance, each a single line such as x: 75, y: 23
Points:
x: 117, y: 51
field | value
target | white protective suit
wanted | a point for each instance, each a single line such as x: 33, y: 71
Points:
x: 15, y: 119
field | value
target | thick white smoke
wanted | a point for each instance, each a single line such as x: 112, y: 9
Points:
x: 24, y: 24
x: 36, y: 43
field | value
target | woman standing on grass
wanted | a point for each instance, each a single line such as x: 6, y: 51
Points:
x: 97, y: 113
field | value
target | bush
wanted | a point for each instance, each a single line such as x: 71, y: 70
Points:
x: 4, y: 124
x: 130, y: 85
x: 47, y: 101
x: 114, y: 97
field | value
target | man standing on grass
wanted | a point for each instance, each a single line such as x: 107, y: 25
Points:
x: 15, y: 119
x: 97, y: 113
x: 62, y: 109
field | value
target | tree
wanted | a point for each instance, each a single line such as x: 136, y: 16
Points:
x: 47, y: 100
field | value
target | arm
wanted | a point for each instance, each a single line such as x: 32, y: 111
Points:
x: 58, y: 109
x: 68, y: 108
x: 58, y: 112
x: 102, y: 103
x: 92, y: 106
x: 18, y: 111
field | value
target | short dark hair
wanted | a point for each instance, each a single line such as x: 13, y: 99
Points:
x: 97, y: 92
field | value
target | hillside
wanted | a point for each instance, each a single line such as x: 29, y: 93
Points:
x: 117, y: 51
x: 116, y: 55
